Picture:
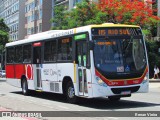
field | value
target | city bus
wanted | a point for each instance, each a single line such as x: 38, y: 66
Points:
x: 106, y: 60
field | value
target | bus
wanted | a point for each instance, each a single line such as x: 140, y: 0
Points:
x: 106, y: 60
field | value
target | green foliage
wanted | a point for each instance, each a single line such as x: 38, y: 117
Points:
x: 153, y: 55
x: 59, y: 18
x: 4, y: 29
x: 147, y: 34
x: 85, y: 13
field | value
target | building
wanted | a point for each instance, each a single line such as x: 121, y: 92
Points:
x: 37, y: 16
x: 26, y: 17
x: 69, y: 4
x: 12, y: 11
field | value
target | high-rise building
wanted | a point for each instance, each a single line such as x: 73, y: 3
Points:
x: 69, y: 4
x: 38, y: 14
x: 12, y: 11
x: 26, y: 17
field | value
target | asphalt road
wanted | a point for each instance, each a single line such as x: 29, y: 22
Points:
x: 12, y: 99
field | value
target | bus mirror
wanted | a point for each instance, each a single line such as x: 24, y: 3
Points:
x: 91, y: 45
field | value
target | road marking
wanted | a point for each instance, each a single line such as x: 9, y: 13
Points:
x: 112, y: 118
x: 63, y: 107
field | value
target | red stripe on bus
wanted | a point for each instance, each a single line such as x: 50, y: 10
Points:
x: 122, y: 82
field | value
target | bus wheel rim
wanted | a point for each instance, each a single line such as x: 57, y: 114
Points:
x: 71, y: 92
x: 24, y: 87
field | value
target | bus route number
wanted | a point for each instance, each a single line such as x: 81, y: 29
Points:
x: 102, y: 32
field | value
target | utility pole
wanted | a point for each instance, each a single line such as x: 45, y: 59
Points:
x: 158, y: 14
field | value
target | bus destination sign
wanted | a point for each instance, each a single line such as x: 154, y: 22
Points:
x: 116, y: 31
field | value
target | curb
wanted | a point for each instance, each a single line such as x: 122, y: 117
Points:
x: 154, y: 80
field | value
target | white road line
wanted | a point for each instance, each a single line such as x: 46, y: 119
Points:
x: 63, y: 107
x: 113, y: 118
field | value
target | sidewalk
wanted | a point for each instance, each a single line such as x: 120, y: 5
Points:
x: 154, y: 80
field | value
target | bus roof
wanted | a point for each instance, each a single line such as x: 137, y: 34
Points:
x: 59, y: 33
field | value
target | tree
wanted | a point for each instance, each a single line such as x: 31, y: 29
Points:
x: 4, y: 36
x: 130, y: 12
x: 59, y: 18
x: 85, y: 13
x: 153, y: 56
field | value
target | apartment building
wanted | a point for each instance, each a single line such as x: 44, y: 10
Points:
x: 37, y: 16
x: 12, y: 11
x: 69, y: 4
x: 26, y: 17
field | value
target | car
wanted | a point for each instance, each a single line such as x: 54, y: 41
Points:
x: 2, y: 73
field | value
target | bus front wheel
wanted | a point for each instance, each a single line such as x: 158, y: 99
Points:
x: 25, y: 87
x: 70, y: 93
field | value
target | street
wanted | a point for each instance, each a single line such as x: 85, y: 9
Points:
x: 12, y: 99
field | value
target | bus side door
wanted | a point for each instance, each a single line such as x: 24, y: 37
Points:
x: 37, y: 64
x: 81, y: 56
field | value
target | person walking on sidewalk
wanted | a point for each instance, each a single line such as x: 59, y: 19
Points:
x: 156, y: 71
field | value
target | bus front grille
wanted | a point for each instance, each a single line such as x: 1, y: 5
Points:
x: 120, y: 90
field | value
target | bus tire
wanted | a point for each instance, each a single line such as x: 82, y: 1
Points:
x: 24, y: 86
x: 70, y: 93
x: 114, y: 98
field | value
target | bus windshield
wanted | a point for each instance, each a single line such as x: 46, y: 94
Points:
x: 120, y: 55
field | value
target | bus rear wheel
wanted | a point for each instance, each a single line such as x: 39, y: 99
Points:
x: 114, y: 98
x: 24, y: 86
x: 70, y: 93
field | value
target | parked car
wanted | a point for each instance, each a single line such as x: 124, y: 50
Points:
x: 2, y: 73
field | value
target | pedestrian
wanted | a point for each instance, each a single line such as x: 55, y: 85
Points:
x: 156, y: 71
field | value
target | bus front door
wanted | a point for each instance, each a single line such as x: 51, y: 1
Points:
x: 81, y: 55
x: 37, y: 67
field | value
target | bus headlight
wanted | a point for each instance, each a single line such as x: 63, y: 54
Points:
x: 100, y: 82
x: 145, y: 78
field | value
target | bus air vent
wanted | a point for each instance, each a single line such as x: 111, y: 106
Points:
x: 56, y: 87
x: 52, y: 86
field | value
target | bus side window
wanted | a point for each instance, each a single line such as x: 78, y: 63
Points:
x: 65, y: 49
x: 27, y: 54
x: 10, y: 55
x: 18, y: 54
x: 50, y: 51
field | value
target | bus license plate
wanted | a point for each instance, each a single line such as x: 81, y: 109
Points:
x: 125, y: 92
